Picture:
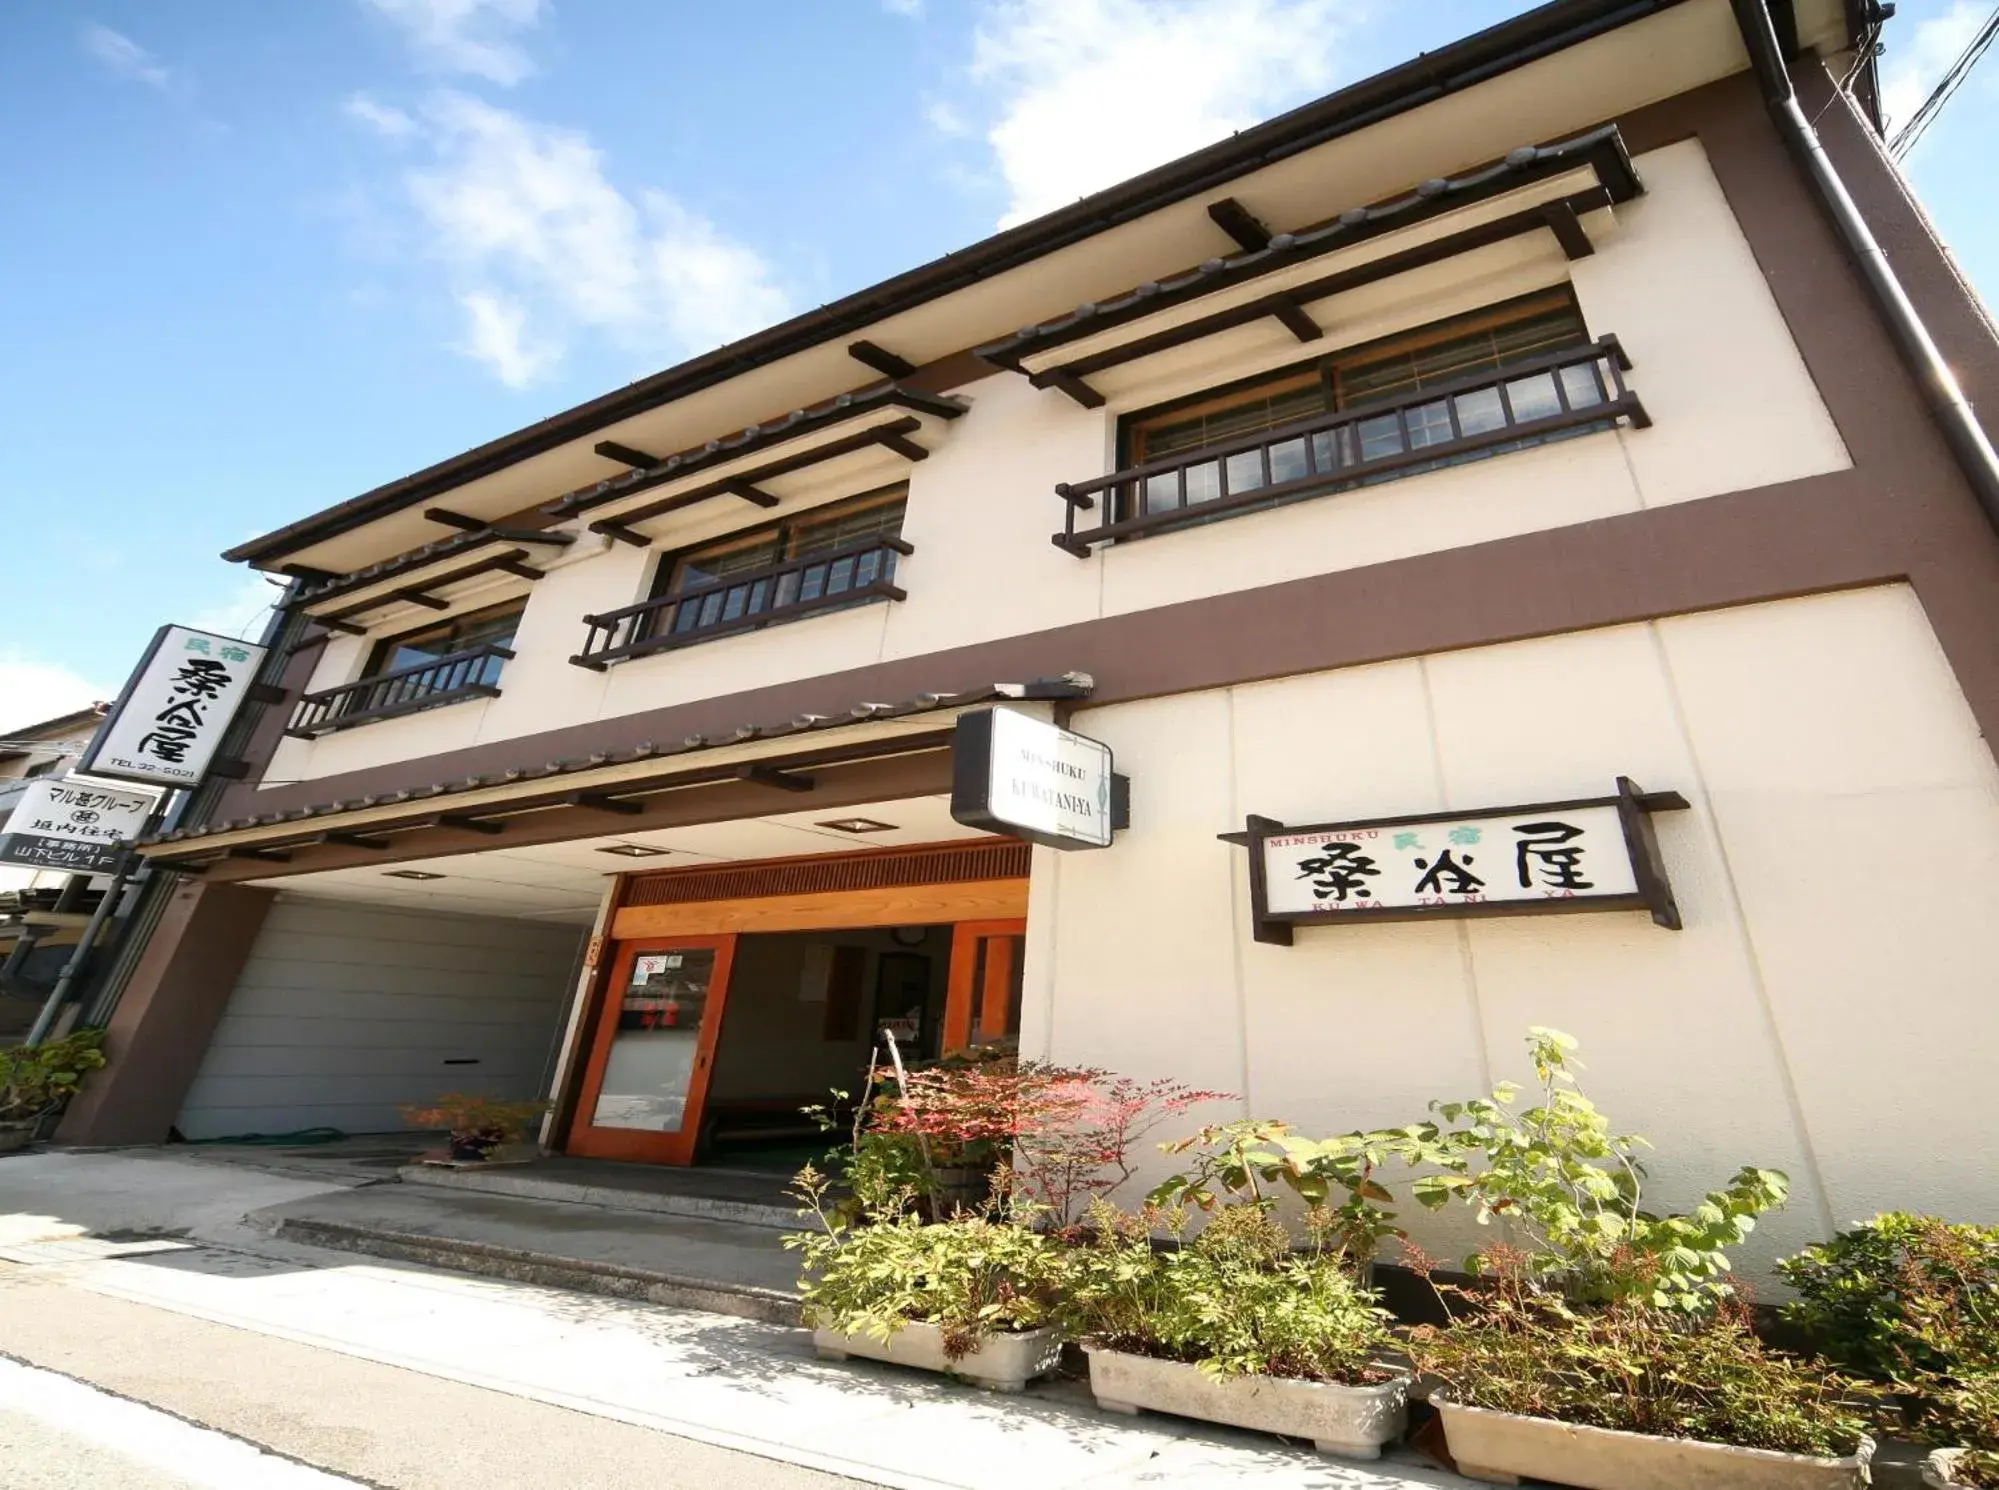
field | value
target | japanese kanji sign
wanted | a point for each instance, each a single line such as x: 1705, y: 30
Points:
x: 1596, y: 853
x: 77, y: 826
x: 169, y: 721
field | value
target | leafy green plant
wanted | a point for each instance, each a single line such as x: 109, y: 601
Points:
x: 1513, y: 1347
x: 1235, y: 1299
x: 972, y: 1275
x: 1913, y: 1302
x: 1246, y: 1161
x: 1573, y: 1190
x: 37, y: 1080
x: 1900, y: 1295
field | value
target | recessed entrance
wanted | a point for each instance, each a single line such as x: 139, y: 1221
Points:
x: 718, y: 1019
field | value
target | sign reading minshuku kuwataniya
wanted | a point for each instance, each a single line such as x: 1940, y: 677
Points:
x: 78, y: 827
x: 1586, y: 854
x: 1025, y: 777
x: 169, y: 721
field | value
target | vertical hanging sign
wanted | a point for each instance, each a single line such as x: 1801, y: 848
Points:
x: 76, y: 826
x: 170, y: 719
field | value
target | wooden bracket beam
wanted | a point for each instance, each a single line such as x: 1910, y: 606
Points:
x: 620, y: 532
x: 452, y: 519
x: 1568, y: 230
x: 519, y: 570
x: 901, y: 444
x: 598, y: 802
x: 349, y: 840
x: 346, y: 628
x: 1240, y: 224
x: 418, y: 597
x: 788, y: 781
x: 1295, y: 319
x: 880, y: 359
x: 629, y: 455
x: 1071, y: 384
x: 309, y: 574
x: 749, y: 491
x: 530, y: 535
x: 466, y: 822
x: 262, y: 855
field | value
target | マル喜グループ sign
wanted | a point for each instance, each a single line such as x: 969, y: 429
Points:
x: 170, y: 719
x: 1012, y: 773
x: 73, y: 826
x: 1592, y: 853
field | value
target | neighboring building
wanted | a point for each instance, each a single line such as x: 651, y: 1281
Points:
x: 29, y: 898
x: 1493, y: 429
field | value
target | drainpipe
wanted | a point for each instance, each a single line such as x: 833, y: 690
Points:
x: 1948, y: 405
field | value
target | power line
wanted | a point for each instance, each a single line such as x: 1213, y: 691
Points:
x: 1906, y: 137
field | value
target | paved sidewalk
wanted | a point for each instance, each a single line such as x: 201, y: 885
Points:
x: 727, y: 1382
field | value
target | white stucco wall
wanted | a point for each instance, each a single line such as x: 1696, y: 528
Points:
x: 1827, y: 1009
x: 1733, y: 405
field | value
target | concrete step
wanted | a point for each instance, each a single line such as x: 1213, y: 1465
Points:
x: 723, y: 1267
x: 705, y: 1194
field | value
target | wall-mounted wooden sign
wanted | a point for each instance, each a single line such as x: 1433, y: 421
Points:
x: 1590, y: 854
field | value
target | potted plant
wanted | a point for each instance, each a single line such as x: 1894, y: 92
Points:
x: 971, y: 1296
x: 1605, y: 1348
x: 475, y: 1125
x: 37, y: 1080
x: 1235, y: 1326
x: 1912, y: 1302
x: 1630, y: 1396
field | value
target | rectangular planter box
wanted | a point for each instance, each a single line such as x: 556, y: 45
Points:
x: 1002, y: 1363
x: 1354, y: 1422
x: 1503, y: 1448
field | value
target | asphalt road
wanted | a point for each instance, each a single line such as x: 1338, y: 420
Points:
x: 107, y: 1394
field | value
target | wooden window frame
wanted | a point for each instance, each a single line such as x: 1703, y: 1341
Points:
x: 661, y: 587
x: 385, y: 648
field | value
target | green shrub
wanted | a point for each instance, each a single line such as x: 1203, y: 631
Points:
x: 1900, y: 1295
x: 971, y: 1275
x: 1629, y: 1365
x: 37, y: 1080
x: 1573, y: 1189
x: 1235, y: 1299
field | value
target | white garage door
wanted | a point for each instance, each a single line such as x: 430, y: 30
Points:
x: 345, y: 1011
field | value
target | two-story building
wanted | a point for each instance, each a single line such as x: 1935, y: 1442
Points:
x: 1525, y: 419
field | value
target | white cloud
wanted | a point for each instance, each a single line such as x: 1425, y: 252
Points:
x: 945, y: 118
x: 1088, y: 92
x: 1911, y: 71
x: 32, y: 691
x: 124, y: 56
x: 478, y: 37
x: 541, y: 246
x: 385, y: 119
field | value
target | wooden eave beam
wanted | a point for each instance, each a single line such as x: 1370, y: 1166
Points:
x: 599, y: 802
x: 509, y: 562
x: 308, y: 574
x: 907, y: 448
x: 452, y: 519
x: 749, y: 491
x: 629, y: 455
x: 530, y: 535
x: 880, y: 359
x: 1450, y: 246
x: 1568, y: 230
x: 1071, y: 383
x: 348, y: 840
x: 619, y: 526
x: 1294, y: 319
x: 1240, y: 224
x: 465, y: 822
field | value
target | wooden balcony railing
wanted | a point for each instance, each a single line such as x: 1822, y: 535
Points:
x: 1571, y: 389
x: 474, y: 673
x: 743, y: 602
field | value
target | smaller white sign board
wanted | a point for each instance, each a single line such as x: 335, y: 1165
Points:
x: 1022, y: 776
x: 169, y: 721
x: 73, y: 826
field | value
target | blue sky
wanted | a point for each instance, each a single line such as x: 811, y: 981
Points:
x: 258, y: 258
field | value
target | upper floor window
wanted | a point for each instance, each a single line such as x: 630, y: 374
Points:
x: 1395, y: 370
x: 770, y: 569
x: 443, y: 663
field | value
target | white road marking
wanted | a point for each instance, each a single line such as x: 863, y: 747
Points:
x: 158, y: 1440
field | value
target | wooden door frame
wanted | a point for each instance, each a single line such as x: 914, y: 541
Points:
x: 645, y: 1145
x: 960, y: 996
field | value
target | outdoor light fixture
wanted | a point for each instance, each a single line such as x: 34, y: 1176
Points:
x: 633, y: 850
x: 857, y: 825
x: 412, y: 874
